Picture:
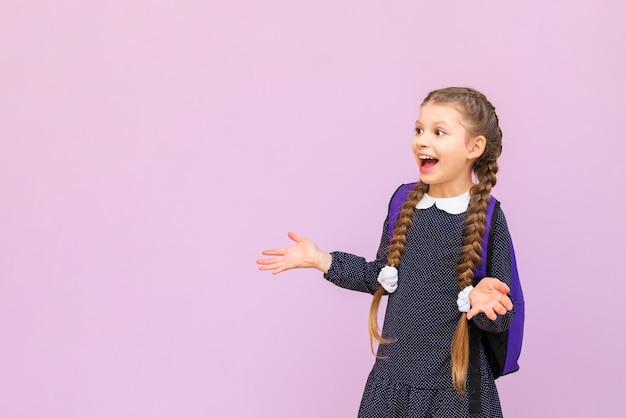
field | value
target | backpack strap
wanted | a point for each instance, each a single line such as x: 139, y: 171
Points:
x: 475, y: 334
x: 395, y: 206
x: 495, y: 343
x: 503, y: 349
x: 515, y: 332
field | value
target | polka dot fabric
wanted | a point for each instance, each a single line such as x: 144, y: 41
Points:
x: 412, y: 376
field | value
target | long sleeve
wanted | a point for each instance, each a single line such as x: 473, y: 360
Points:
x: 356, y: 273
x: 499, y: 266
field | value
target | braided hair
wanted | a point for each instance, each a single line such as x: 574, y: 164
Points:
x: 479, y: 118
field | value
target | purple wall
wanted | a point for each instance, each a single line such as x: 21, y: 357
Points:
x: 150, y: 149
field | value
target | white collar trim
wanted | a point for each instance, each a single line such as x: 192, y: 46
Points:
x: 452, y: 205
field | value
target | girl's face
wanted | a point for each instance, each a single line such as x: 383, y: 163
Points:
x: 444, y: 150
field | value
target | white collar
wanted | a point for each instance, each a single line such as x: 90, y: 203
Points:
x: 452, y: 205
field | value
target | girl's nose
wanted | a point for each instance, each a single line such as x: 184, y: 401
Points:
x: 420, y: 141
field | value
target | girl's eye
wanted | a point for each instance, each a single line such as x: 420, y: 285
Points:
x: 419, y: 131
x: 439, y: 132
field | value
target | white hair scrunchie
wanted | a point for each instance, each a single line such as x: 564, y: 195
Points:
x: 388, y: 278
x: 463, y: 300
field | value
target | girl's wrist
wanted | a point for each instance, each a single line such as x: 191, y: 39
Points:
x: 324, y: 261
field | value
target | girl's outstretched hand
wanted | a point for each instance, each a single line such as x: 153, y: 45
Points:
x: 489, y: 296
x: 305, y: 254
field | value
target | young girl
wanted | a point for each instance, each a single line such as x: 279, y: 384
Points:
x: 422, y: 365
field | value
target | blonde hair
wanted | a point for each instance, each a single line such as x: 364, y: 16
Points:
x: 479, y: 118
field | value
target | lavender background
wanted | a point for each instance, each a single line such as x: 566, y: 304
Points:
x: 150, y: 149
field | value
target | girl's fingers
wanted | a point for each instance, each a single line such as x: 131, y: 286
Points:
x: 491, y: 312
x: 273, y: 267
x: 280, y: 268
x: 500, y: 309
x: 477, y: 309
x: 501, y: 286
x: 277, y: 251
x: 266, y: 261
x: 471, y: 313
x: 294, y: 237
x: 270, y: 261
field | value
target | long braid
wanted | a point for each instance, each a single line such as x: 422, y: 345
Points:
x: 480, y: 114
x: 470, y: 258
x: 396, y: 249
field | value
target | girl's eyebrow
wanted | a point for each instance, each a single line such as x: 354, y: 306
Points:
x: 439, y: 122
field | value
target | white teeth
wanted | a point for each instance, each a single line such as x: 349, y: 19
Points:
x: 425, y: 157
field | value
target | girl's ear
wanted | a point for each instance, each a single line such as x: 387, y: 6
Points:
x: 476, y: 147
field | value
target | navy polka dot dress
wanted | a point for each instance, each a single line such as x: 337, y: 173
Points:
x: 412, y: 376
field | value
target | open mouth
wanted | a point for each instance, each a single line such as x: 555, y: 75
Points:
x: 427, y: 162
